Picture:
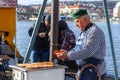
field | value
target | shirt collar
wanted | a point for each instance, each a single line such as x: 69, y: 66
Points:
x: 88, y: 26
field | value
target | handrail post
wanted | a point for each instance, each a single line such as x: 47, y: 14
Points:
x: 111, y: 40
x: 34, y: 34
x: 54, y: 28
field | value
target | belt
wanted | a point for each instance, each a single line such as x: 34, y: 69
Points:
x: 90, y: 60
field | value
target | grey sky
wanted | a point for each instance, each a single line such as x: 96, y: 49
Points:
x: 28, y: 2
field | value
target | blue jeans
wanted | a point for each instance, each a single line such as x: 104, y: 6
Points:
x: 39, y: 56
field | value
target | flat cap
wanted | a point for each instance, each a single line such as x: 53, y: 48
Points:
x: 78, y: 13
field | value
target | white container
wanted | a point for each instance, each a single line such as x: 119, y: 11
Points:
x: 53, y: 73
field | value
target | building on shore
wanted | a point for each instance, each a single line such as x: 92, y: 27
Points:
x: 116, y: 10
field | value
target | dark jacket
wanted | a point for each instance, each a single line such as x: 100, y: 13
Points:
x: 66, y: 37
x: 41, y: 43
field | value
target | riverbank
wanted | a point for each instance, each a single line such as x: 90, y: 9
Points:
x: 71, y: 20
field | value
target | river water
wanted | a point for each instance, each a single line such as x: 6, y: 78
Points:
x: 22, y: 40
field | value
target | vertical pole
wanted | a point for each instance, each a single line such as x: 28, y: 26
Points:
x: 111, y: 41
x: 54, y: 28
x: 16, y: 60
x: 34, y: 34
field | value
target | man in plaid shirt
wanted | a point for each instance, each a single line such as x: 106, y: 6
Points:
x: 66, y: 38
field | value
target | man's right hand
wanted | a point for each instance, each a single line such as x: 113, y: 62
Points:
x: 62, y: 54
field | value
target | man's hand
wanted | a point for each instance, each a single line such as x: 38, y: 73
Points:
x: 62, y: 54
x: 42, y: 34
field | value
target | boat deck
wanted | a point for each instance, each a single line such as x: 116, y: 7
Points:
x: 7, y: 75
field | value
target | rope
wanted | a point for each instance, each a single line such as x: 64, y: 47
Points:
x: 86, y: 66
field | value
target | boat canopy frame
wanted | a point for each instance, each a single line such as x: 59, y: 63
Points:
x: 111, y: 39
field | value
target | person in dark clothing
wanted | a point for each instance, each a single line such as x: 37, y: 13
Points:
x: 40, y: 50
x: 66, y: 40
x: 66, y: 37
x: 48, y: 20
